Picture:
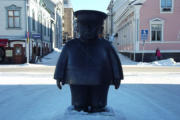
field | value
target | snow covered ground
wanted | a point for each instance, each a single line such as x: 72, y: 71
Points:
x: 142, y: 95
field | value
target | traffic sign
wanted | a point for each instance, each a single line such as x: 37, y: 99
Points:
x: 144, y: 35
x: 36, y: 36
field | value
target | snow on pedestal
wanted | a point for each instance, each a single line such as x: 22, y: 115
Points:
x: 110, y: 114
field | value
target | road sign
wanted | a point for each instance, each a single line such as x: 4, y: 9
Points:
x: 36, y: 36
x: 144, y: 35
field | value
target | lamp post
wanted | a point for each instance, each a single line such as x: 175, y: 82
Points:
x: 27, y: 34
x: 133, y: 3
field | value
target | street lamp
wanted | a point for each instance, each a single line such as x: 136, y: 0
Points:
x: 27, y: 34
x: 133, y: 3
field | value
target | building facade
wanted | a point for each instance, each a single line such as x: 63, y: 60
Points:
x: 68, y: 21
x: 28, y: 29
x: 108, y: 26
x: 58, y: 17
x: 142, y: 26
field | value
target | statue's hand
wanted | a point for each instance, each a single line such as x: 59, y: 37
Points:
x: 59, y: 84
x: 117, y: 83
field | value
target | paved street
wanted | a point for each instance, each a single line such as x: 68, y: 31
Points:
x: 50, y: 69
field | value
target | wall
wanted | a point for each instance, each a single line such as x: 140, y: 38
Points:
x: 68, y: 21
x: 4, y: 30
x: 171, y: 42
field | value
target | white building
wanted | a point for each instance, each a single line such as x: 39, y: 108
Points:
x: 125, y: 26
x: 109, y: 20
x: 34, y: 19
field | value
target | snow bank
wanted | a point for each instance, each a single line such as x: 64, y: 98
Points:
x: 51, y: 59
x: 166, y: 62
x: 126, y: 61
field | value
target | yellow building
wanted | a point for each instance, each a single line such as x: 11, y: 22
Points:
x: 68, y: 21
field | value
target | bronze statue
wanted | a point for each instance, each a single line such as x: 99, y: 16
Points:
x: 89, y: 64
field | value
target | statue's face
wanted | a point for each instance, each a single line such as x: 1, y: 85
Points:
x: 88, y: 31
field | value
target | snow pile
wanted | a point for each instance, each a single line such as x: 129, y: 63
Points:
x: 22, y: 65
x: 74, y: 115
x: 126, y: 61
x: 166, y: 62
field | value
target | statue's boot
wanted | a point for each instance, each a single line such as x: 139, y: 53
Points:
x: 81, y: 108
x: 98, y: 98
x: 79, y: 97
x: 98, y: 109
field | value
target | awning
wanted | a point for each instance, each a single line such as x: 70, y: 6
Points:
x: 3, y: 42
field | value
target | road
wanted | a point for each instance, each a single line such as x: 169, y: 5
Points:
x: 146, y: 93
x: 50, y: 69
x: 131, y: 101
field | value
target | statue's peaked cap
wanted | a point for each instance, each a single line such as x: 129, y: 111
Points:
x: 90, y: 16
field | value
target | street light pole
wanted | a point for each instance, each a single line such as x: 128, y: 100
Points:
x: 27, y: 34
x: 133, y: 3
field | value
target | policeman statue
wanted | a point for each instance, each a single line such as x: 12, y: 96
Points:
x: 89, y: 64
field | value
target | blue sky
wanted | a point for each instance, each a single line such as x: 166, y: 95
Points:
x: 100, y: 5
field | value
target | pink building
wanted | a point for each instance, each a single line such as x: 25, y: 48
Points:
x: 143, y: 26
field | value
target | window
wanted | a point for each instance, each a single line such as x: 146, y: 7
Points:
x: 48, y: 28
x: 33, y: 21
x: 18, y: 50
x: 166, y: 5
x: 45, y: 27
x: 39, y: 24
x: 13, y: 16
x: 65, y: 2
x: 13, y: 19
x: 157, y: 30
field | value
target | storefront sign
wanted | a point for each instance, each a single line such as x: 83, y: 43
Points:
x: 9, y: 53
